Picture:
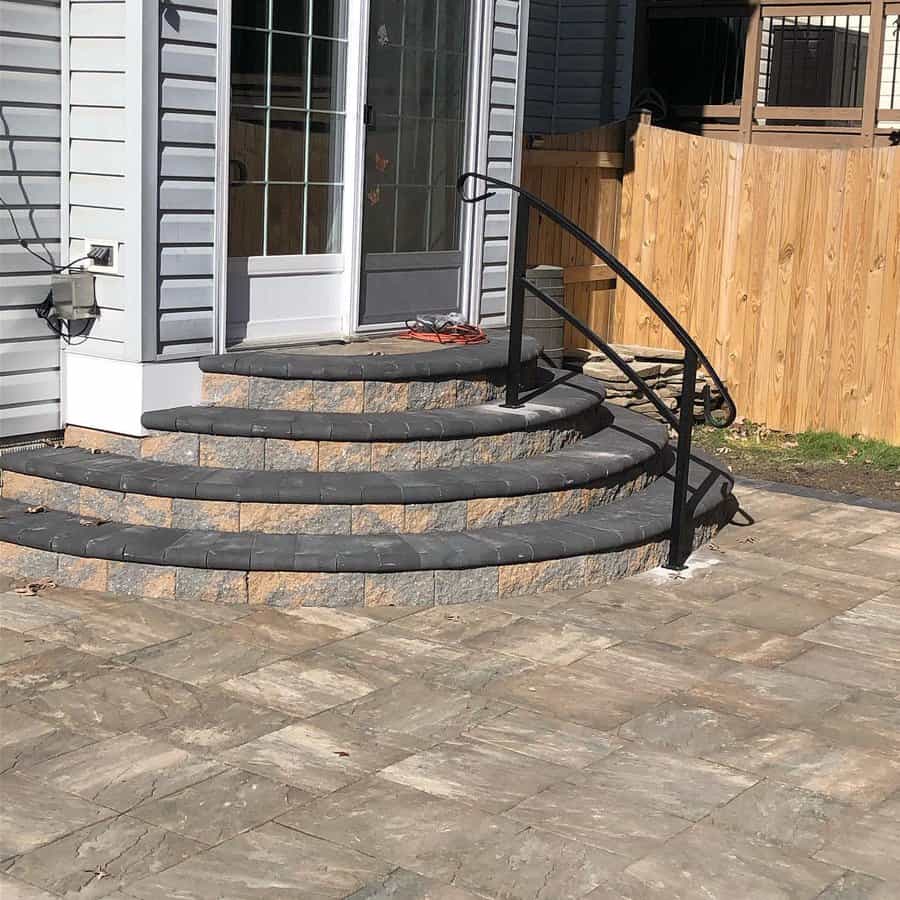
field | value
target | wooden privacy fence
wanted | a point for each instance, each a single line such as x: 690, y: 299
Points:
x: 784, y: 264
x: 581, y: 175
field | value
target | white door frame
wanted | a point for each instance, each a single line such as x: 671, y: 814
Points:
x: 348, y: 264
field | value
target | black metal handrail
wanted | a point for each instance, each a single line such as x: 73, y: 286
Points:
x: 681, y: 540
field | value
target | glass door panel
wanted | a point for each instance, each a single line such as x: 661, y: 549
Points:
x: 288, y: 78
x: 416, y: 90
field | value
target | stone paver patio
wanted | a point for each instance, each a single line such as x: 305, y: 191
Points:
x: 732, y: 732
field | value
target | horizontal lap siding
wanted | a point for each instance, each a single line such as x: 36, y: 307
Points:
x: 579, y: 64
x: 187, y: 178
x: 502, y: 137
x: 30, y: 90
x: 540, y: 83
x: 97, y: 160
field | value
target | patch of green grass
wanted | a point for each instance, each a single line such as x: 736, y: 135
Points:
x: 754, y: 441
x: 828, y: 445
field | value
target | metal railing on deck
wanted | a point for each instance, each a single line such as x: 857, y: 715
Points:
x: 681, y: 540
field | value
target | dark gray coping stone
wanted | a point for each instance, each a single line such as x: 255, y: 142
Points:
x: 626, y: 441
x: 452, y: 361
x: 564, y: 399
x: 634, y: 520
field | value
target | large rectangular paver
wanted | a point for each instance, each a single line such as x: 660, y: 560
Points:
x: 34, y: 813
x: 728, y: 865
x: 19, y: 644
x: 682, y: 785
x: 125, y: 771
x: 112, y: 703
x: 297, y: 689
x: 769, y: 695
x: 871, y: 845
x: 102, y: 858
x: 313, y: 758
x: 26, y: 740
x: 424, y: 711
x: 852, y: 774
x: 718, y: 637
x: 585, y: 696
x: 785, y: 815
x: 484, y: 775
x: 544, y: 737
x: 52, y: 670
x: 269, y: 863
x: 220, y: 807
x: 529, y: 864
x: 612, y: 820
x: 207, y: 657
x: 216, y: 721
x: 398, y: 823
x: 843, y: 666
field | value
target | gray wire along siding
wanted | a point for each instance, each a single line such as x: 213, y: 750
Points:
x: 30, y: 92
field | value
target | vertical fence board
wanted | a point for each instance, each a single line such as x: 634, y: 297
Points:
x: 783, y: 263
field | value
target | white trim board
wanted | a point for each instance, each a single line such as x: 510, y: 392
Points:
x: 112, y: 394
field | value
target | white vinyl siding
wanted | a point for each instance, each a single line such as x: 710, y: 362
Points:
x: 98, y: 151
x: 186, y: 179
x: 502, y: 154
x: 30, y: 90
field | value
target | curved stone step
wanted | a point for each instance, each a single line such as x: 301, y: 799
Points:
x: 624, y: 456
x: 552, y: 417
x: 281, y: 570
x: 356, y: 381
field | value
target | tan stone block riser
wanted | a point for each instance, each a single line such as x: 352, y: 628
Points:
x: 253, y: 392
x: 274, y: 454
x: 293, y: 589
x: 302, y: 518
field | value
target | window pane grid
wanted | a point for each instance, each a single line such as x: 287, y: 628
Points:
x: 417, y: 69
x: 294, y: 102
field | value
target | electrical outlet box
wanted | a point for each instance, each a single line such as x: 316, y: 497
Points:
x: 102, y: 266
x: 73, y: 296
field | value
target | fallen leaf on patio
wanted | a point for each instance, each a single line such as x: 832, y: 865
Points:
x: 33, y: 588
x: 36, y: 509
x: 341, y: 753
x: 93, y: 521
x: 95, y: 450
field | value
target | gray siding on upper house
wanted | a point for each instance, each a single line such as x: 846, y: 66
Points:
x: 30, y: 183
x: 503, y: 142
x: 98, y: 150
x: 187, y: 135
x: 579, y: 64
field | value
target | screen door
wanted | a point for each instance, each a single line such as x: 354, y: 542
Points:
x: 414, y: 152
